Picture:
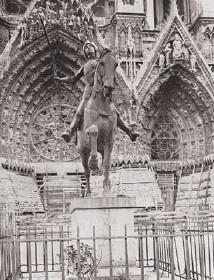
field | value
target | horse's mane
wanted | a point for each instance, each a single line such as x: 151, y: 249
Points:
x: 105, y: 51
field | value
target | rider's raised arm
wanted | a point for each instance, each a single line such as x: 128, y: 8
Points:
x: 77, y: 76
x: 74, y: 79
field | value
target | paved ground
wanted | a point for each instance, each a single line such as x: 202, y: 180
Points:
x: 134, y: 275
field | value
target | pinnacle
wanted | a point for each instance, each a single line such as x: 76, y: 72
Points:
x: 173, y: 8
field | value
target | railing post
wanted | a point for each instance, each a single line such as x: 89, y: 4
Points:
x: 46, y: 253
x: 110, y: 255
x: 18, y: 250
x: 141, y: 254
x: 52, y: 250
x: 36, y: 257
x: 172, y: 264
x: 157, y: 252
x: 201, y: 250
x: 13, y: 255
x: 3, y: 261
x: 147, y: 247
x: 27, y: 247
x: 126, y: 254
x: 78, y: 255
x: 95, y: 255
x: 29, y: 254
x: 209, y: 249
x: 187, y: 251
x: 154, y: 249
x: 62, y: 252
x: 195, y: 254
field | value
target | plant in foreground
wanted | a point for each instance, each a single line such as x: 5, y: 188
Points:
x: 79, y: 266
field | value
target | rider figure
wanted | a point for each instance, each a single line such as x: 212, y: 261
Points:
x: 88, y: 71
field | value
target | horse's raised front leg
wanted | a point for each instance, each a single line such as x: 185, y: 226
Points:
x: 106, y: 169
x: 93, y: 134
x: 85, y: 158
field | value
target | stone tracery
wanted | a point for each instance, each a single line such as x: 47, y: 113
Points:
x: 191, y: 114
x: 32, y: 85
x: 47, y: 125
x: 164, y: 139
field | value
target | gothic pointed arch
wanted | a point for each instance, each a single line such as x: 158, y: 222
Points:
x: 178, y: 93
x: 175, y: 45
x: 176, y: 79
x: 35, y: 110
x: 137, y: 42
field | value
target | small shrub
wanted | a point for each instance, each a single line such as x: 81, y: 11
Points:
x: 86, y: 262
x: 119, y: 271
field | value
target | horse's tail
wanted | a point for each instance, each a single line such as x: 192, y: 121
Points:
x: 93, y: 134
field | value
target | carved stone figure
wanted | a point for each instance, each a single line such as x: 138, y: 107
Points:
x: 185, y: 52
x: 24, y: 32
x: 193, y: 60
x: 64, y: 9
x: 43, y: 17
x: 49, y: 5
x: 50, y: 9
x: 177, y: 47
x: 168, y: 51
x: 161, y: 60
x: 70, y: 21
x: 33, y: 26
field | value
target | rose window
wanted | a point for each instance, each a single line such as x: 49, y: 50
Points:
x: 47, y: 126
x: 165, y: 141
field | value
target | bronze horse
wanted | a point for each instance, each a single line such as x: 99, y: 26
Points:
x: 100, y: 121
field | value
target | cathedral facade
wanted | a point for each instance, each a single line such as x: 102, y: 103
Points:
x: 164, y: 82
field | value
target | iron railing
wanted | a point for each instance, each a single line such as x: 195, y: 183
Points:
x: 173, y: 247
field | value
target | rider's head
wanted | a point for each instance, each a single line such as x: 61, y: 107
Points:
x: 90, y: 50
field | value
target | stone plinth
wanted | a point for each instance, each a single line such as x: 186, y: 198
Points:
x: 102, y: 213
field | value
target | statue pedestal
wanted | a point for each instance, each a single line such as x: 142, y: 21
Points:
x: 108, y: 215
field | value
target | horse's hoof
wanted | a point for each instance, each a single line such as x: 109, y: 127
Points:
x: 93, y: 163
x: 83, y: 192
x: 88, y: 194
x: 107, y: 193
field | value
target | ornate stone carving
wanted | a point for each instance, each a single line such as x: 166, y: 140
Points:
x: 177, y: 47
x: 168, y: 51
x: 164, y: 139
x: 208, y: 34
x: 72, y: 16
x: 184, y: 99
x: 177, y: 50
x: 161, y: 61
x: 46, y: 129
x: 193, y: 60
x: 29, y: 79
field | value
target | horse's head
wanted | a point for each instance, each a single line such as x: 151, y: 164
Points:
x: 105, y: 73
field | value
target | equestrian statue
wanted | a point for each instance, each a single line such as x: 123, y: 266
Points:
x: 98, y: 128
